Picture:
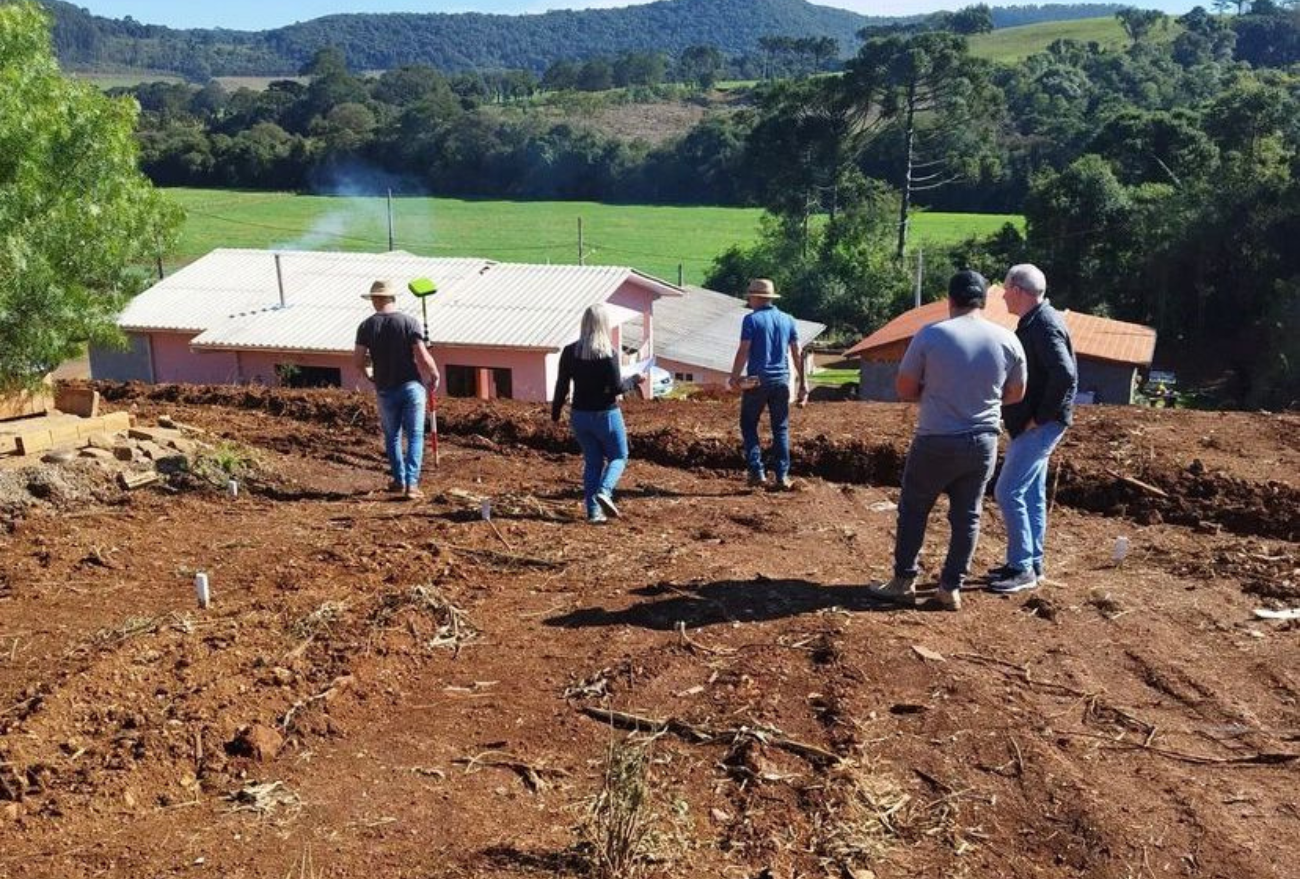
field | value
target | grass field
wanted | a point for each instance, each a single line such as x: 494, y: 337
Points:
x: 650, y: 238
x: 1016, y: 43
x: 123, y: 79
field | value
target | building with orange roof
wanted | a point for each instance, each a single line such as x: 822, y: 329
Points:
x: 1110, y: 353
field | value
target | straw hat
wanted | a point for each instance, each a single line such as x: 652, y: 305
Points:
x: 381, y: 289
x: 763, y: 288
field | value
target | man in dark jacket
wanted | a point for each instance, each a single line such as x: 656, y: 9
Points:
x: 1036, y: 425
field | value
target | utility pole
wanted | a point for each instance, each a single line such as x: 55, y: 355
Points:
x: 920, y: 274
x: 390, y: 221
x: 582, y: 256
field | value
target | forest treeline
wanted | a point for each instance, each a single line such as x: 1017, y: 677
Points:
x: 475, y: 41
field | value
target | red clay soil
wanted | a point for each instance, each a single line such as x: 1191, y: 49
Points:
x: 401, y: 690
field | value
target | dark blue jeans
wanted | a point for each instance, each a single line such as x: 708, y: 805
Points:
x: 401, y: 410
x: 776, y: 399
x: 959, y: 466
x: 603, y: 439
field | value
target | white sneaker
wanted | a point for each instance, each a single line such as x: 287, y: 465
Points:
x: 607, y: 504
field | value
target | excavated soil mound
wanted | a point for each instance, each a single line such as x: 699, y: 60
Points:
x: 1186, y: 468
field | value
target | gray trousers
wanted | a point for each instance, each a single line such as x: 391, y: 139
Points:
x: 959, y: 466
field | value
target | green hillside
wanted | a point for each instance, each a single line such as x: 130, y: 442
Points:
x: 1016, y: 43
x: 650, y: 238
x: 471, y: 40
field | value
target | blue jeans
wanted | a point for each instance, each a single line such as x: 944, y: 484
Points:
x: 603, y: 439
x: 1022, y: 494
x: 401, y: 410
x: 776, y: 399
x: 959, y: 466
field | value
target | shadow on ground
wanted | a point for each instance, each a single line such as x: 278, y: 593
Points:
x: 726, y: 601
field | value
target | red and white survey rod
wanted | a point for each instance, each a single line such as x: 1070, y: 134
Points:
x: 423, y: 288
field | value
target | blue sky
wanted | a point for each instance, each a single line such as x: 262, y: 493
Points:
x: 261, y: 14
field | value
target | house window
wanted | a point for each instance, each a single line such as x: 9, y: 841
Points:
x: 464, y: 381
x: 291, y: 375
x: 460, y: 381
x: 502, y: 384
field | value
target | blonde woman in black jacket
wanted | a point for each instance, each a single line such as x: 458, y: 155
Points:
x: 590, y: 365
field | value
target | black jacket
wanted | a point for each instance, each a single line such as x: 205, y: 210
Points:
x: 1053, y: 373
x: 596, y: 383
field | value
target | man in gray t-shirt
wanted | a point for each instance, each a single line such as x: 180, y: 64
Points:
x: 961, y: 370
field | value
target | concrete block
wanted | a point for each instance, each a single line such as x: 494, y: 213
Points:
x: 82, y: 402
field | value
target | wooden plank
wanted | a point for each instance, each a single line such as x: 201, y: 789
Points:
x: 25, y: 403
x: 34, y: 441
x: 82, y: 402
x: 116, y: 421
x: 66, y: 432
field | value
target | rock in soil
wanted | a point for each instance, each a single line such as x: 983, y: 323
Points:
x: 261, y: 743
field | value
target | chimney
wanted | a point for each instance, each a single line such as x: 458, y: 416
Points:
x: 279, y: 279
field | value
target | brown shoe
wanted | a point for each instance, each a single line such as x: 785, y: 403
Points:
x: 900, y: 590
x: 395, y: 487
x: 948, y: 599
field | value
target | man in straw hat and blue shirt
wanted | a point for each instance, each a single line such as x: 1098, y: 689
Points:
x: 392, y: 344
x: 769, y: 339
x: 961, y: 371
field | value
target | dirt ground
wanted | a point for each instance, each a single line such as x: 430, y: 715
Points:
x: 400, y: 689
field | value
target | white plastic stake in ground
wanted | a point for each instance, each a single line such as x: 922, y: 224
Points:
x: 201, y: 591
x: 485, y: 510
x: 233, y: 488
x: 1121, y: 549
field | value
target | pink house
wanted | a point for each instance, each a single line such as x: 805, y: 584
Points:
x: 252, y: 316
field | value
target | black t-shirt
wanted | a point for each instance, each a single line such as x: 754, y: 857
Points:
x: 390, y: 337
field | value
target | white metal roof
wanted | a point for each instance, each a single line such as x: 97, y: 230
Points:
x: 528, y: 306
x: 231, y: 299
x: 229, y: 282
x: 702, y: 328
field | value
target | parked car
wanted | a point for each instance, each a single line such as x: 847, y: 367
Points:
x: 661, y: 382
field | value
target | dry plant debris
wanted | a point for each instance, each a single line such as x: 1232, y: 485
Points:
x: 266, y: 799
x: 620, y: 817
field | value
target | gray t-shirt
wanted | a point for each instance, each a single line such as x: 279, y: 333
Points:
x: 963, y: 363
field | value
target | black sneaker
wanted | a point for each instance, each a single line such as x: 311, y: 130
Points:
x: 1001, y: 572
x: 1017, y: 582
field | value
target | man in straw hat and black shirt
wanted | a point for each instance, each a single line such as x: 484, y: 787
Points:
x: 768, y: 340
x: 961, y: 371
x: 392, y: 344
